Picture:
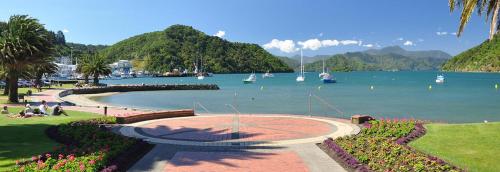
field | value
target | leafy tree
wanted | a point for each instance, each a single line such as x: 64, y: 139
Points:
x: 60, y: 39
x: 23, y: 41
x: 490, y: 7
x: 95, y: 65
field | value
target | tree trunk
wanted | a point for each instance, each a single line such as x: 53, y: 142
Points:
x: 6, y: 89
x: 86, y: 78
x: 13, y: 96
x: 494, y: 18
x: 96, y: 79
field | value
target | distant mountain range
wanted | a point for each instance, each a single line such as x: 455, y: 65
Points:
x: 387, y: 59
x: 482, y: 58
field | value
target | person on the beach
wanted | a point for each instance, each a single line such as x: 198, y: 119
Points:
x: 58, y: 110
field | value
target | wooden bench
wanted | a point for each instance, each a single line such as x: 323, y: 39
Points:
x: 154, y: 115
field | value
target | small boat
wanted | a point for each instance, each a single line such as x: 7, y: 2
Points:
x: 251, y: 79
x: 327, y: 78
x: 440, y: 79
x: 267, y: 75
x: 301, y: 77
x: 200, y: 74
x: 200, y: 77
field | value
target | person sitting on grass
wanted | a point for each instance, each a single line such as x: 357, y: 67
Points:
x: 58, y: 110
x: 28, y: 110
x: 43, y: 108
x: 5, y: 110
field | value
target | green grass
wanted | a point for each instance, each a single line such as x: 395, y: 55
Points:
x: 23, y: 90
x: 24, y: 137
x: 475, y: 147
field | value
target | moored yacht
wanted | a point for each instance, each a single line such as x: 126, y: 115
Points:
x: 251, y: 79
x: 440, y: 79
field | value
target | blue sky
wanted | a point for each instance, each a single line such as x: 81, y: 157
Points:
x: 331, y: 26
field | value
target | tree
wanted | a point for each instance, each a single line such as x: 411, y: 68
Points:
x: 45, y: 67
x: 95, y: 65
x: 490, y: 7
x: 60, y: 39
x: 23, y: 41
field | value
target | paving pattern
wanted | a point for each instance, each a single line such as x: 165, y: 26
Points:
x: 251, y: 128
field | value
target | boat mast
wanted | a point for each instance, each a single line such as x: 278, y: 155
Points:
x: 301, y: 63
x: 323, y: 65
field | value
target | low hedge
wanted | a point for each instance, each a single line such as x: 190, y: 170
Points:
x: 88, y: 146
x: 381, y: 146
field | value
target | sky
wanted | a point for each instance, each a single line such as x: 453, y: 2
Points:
x: 319, y: 27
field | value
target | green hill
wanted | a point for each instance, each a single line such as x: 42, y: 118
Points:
x: 385, y: 59
x: 180, y: 47
x: 482, y: 58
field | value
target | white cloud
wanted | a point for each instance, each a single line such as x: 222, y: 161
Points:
x: 220, y: 33
x: 349, y: 42
x: 65, y: 30
x: 320, y: 34
x: 287, y: 46
x: 454, y: 33
x: 312, y: 44
x: 329, y: 43
x: 409, y: 43
x: 441, y: 33
x: 400, y: 39
x: 368, y: 45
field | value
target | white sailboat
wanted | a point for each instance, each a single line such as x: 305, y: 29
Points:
x: 301, y: 77
x: 440, y: 79
x: 267, y: 75
x: 324, y: 72
x: 200, y: 75
x: 251, y: 79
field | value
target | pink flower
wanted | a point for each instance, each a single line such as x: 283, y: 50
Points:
x: 91, y: 162
x: 61, y: 156
x: 82, y: 167
x: 47, y: 155
x: 34, y: 158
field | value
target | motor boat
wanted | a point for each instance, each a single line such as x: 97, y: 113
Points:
x: 327, y: 78
x: 267, y: 75
x: 251, y: 79
x: 440, y: 79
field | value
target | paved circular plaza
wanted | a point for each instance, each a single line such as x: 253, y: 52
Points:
x: 242, y: 130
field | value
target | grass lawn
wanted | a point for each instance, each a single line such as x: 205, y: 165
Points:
x: 24, y: 137
x: 475, y: 147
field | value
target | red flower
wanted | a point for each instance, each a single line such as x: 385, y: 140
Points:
x: 82, y: 167
x: 17, y: 162
x: 91, y: 162
x: 47, y: 155
x: 61, y: 156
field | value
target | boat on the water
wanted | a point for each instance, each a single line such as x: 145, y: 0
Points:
x: 440, y: 79
x: 327, y: 78
x: 200, y: 74
x: 251, y: 79
x: 301, y: 77
x: 267, y: 75
x: 324, y: 72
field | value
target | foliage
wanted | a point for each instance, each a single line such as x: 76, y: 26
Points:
x: 95, y: 146
x: 380, y: 146
x: 24, y: 137
x: 386, y: 59
x: 23, y: 42
x: 77, y: 51
x: 94, y: 65
x: 490, y: 7
x: 484, y: 57
x: 181, y: 47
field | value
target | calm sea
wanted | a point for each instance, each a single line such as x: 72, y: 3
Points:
x: 464, y: 97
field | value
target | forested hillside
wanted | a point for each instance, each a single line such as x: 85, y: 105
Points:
x: 181, y: 47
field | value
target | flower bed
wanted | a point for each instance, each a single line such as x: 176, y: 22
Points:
x: 89, y: 146
x: 381, y: 146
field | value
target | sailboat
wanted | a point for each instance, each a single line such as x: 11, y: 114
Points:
x: 323, y: 73
x: 200, y: 74
x: 301, y: 76
x: 251, y: 79
x: 267, y: 75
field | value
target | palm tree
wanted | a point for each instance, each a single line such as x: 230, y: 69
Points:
x: 490, y: 7
x: 23, y: 41
x: 95, y: 65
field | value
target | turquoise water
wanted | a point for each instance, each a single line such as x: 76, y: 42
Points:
x: 465, y: 97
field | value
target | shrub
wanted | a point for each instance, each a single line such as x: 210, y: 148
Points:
x: 88, y: 149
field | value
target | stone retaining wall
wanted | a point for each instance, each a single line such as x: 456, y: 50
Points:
x: 127, y: 88
x: 154, y: 115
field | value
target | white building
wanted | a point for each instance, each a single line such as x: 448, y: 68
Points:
x: 66, y: 68
x: 122, y: 68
